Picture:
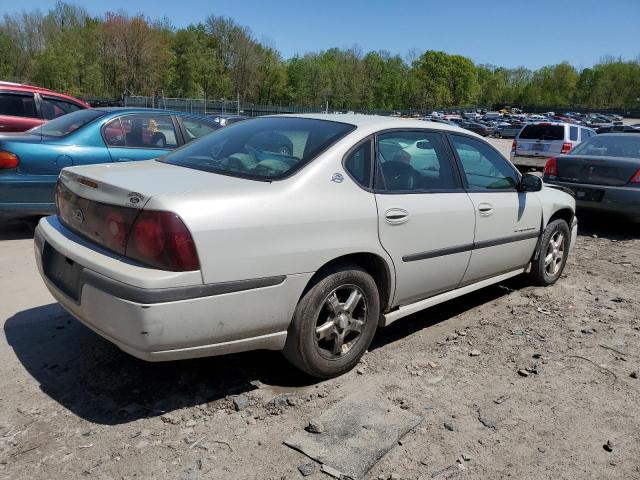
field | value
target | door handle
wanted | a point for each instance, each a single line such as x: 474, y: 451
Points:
x: 485, y: 209
x: 396, y: 216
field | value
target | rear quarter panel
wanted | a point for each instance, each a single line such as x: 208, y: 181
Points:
x: 293, y: 226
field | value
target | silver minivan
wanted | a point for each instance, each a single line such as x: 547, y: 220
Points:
x: 538, y: 141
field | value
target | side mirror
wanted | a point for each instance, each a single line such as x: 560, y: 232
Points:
x: 530, y: 183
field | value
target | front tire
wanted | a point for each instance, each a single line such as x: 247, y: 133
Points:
x: 334, y: 322
x: 553, y: 253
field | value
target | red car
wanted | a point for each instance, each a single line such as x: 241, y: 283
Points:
x: 24, y: 106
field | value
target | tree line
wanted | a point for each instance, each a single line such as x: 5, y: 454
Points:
x: 117, y: 54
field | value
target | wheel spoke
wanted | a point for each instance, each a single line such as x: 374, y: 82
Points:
x: 356, y: 326
x: 548, y: 259
x: 333, y: 303
x: 325, y: 330
x: 352, y: 301
x: 337, y: 344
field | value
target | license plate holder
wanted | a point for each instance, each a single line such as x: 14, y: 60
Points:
x: 63, y: 272
x: 588, y: 194
x: 538, y: 146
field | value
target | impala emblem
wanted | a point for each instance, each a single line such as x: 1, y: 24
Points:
x: 78, y: 216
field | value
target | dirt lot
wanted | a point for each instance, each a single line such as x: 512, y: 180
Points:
x: 74, y: 406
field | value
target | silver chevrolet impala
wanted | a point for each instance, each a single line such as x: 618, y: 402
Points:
x: 233, y: 242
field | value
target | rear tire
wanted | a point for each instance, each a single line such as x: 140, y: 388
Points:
x: 553, y: 252
x: 334, y: 322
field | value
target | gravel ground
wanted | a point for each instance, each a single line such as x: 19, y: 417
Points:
x: 73, y: 406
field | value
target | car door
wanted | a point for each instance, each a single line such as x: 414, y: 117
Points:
x: 507, y: 221
x: 425, y: 218
x: 141, y: 136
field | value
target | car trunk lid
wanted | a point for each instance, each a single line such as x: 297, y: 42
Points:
x: 596, y: 170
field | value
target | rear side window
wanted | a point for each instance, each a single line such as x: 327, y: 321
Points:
x: 55, y: 107
x: 542, y: 132
x: 17, y: 105
x: 413, y: 161
x: 149, y: 131
x: 573, y: 133
x: 358, y: 164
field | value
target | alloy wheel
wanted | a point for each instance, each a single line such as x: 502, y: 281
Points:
x: 555, y: 254
x: 341, y: 321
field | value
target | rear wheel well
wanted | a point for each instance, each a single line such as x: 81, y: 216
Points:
x: 373, y: 264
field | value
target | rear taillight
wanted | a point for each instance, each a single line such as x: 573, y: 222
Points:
x: 8, y: 160
x: 635, y: 177
x: 551, y: 167
x: 566, y: 148
x: 514, y: 145
x: 162, y: 240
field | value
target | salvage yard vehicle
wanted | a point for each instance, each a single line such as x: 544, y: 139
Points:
x: 538, y: 141
x: 30, y: 162
x: 23, y: 107
x: 507, y: 131
x: 604, y: 173
x: 222, y: 247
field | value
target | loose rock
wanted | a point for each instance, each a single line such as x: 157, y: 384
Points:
x: 315, y: 426
x: 608, y: 446
x: 240, y: 402
x: 474, y: 353
x: 307, y: 469
x: 523, y: 373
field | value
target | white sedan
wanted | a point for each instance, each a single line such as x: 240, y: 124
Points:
x: 231, y: 244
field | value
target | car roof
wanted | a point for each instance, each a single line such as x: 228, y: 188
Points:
x: 377, y: 121
x: 20, y: 87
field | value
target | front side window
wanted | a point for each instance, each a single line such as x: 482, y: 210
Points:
x: 266, y: 148
x: 358, y: 164
x: 413, y: 161
x: 195, y: 128
x: 483, y: 167
x: 63, y: 126
x: 18, y: 105
x: 149, y: 131
x: 54, y: 107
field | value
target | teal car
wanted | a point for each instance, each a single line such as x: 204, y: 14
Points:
x: 31, y: 161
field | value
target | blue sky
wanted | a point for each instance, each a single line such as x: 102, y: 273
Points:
x: 503, y: 32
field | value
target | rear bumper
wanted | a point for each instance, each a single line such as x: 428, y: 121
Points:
x: 157, y: 324
x: 530, y: 161
x: 623, y: 201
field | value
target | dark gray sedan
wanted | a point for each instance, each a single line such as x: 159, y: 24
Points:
x: 604, y: 173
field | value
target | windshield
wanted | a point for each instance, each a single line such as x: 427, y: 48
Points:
x: 266, y: 148
x: 610, y: 146
x: 542, y: 132
x: 66, y: 124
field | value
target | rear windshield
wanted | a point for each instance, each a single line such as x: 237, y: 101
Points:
x: 542, y: 132
x: 261, y: 149
x: 67, y: 124
x: 610, y: 146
